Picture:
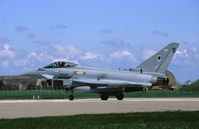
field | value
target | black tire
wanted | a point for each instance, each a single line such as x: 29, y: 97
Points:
x: 104, y: 96
x: 71, y: 97
x: 120, y: 96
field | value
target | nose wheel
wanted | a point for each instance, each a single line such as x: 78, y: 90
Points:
x: 71, y: 97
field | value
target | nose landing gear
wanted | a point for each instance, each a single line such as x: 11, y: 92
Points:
x: 71, y: 97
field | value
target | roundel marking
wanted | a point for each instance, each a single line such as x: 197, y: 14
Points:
x: 159, y: 58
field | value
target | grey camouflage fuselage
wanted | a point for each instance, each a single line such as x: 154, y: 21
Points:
x: 110, y: 82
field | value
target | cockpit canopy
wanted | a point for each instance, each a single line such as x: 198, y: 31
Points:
x: 60, y: 64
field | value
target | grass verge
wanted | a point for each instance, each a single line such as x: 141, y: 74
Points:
x: 62, y: 94
x: 151, y: 120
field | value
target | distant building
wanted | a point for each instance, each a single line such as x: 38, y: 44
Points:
x: 26, y: 83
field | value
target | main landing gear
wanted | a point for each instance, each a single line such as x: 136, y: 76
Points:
x: 119, y: 96
x: 105, y: 96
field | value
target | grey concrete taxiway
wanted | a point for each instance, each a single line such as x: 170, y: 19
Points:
x: 38, y: 108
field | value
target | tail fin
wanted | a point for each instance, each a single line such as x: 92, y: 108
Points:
x: 159, y: 61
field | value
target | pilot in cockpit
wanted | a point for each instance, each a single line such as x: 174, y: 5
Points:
x: 61, y: 64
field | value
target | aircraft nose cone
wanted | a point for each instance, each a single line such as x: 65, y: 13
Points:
x: 32, y: 74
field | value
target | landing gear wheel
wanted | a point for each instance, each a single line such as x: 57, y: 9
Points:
x: 104, y: 96
x: 120, y: 96
x: 71, y: 97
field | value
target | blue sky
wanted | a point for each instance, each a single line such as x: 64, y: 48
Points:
x: 101, y: 33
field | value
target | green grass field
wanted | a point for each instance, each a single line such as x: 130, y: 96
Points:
x: 186, y: 91
x: 152, y: 120
x: 62, y: 94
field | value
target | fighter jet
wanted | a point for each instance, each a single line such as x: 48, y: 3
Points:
x: 108, y: 82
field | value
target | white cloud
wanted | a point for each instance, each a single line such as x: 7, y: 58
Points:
x: 187, y: 56
x: 23, y: 61
x: 73, y: 50
x: 126, y: 53
x: 32, y: 54
x: 6, y: 46
x: 90, y: 55
x: 70, y: 52
x: 59, y: 48
x: 182, y: 52
x: 7, y: 52
x: 60, y: 59
x: 66, y: 51
x: 123, y: 54
x: 39, y: 56
x: 179, y: 52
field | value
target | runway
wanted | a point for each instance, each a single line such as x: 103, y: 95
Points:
x: 38, y: 108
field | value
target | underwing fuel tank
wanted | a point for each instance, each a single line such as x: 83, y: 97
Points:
x: 96, y: 90
x: 82, y: 89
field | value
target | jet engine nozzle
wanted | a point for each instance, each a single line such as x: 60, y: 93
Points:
x: 159, y: 81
